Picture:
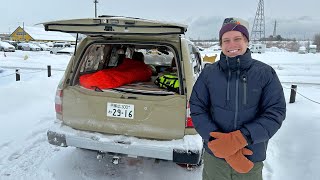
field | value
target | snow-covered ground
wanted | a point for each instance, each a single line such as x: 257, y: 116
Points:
x: 27, y: 110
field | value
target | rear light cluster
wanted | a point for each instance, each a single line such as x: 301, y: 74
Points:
x: 189, y: 123
x: 58, y: 102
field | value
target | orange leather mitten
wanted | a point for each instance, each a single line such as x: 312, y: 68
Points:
x: 226, y: 144
x: 239, y: 162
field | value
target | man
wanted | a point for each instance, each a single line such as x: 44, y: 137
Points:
x: 237, y: 105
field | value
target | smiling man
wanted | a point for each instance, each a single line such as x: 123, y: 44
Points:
x: 237, y: 105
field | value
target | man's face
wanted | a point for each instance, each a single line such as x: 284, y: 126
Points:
x: 233, y: 43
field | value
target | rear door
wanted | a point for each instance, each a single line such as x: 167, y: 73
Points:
x: 114, y: 25
x: 155, y: 117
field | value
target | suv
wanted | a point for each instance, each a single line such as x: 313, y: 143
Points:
x: 58, y: 46
x: 136, y: 119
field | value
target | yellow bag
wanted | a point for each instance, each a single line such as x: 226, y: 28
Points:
x: 168, y: 81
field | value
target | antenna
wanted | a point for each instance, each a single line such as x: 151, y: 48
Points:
x: 258, y: 29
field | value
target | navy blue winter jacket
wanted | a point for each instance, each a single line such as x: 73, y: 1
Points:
x: 239, y: 93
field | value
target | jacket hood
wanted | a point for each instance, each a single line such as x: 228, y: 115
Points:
x: 228, y: 63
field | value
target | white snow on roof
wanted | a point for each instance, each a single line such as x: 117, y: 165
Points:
x: 39, y: 33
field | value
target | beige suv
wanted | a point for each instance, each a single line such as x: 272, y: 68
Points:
x: 136, y: 119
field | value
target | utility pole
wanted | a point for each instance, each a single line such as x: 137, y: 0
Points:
x: 23, y: 31
x: 95, y: 7
x: 275, y: 29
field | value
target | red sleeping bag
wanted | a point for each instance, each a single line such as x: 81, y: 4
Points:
x: 128, y: 72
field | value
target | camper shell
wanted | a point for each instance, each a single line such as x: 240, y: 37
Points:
x: 136, y: 119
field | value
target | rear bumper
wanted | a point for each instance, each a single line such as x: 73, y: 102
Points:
x: 187, y: 150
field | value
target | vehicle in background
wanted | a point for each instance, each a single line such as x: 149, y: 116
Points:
x: 257, y: 48
x: 302, y: 50
x: 28, y: 47
x: 13, y: 43
x: 58, y: 46
x: 66, y: 51
x: 215, y: 48
x: 43, y: 46
x: 6, y: 47
x: 313, y: 48
x: 50, y: 44
x: 200, y: 48
x: 138, y: 118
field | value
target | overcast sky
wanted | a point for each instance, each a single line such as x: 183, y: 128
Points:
x: 299, y: 19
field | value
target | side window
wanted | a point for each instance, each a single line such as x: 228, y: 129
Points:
x: 195, y: 60
x: 93, y: 58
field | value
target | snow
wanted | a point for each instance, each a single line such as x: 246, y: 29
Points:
x: 38, y: 33
x: 27, y: 111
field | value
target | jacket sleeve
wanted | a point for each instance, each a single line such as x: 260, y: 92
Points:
x: 272, y: 111
x: 200, y: 109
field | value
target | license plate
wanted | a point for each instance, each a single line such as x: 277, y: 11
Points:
x: 120, y: 110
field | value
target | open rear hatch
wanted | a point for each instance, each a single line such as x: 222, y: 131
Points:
x: 117, y: 111
x: 115, y: 25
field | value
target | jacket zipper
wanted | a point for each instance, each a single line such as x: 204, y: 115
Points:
x: 244, y: 80
x: 228, y: 82
x: 237, y: 94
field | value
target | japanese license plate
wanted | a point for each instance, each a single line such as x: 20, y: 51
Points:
x: 120, y: 110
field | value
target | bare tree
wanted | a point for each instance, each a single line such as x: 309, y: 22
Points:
x: 316, y: 41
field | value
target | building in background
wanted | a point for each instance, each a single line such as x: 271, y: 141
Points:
x: 4, y: 36
x: 39, y: 34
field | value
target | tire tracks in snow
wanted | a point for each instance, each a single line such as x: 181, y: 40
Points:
x: 4, y: 145
x: 24, y: 161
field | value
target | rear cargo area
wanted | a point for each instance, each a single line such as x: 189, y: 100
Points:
x: 126, y: 66
x: 116, y: 90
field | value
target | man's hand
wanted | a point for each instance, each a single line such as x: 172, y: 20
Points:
x: 239, y: 162
x: 226, y: 144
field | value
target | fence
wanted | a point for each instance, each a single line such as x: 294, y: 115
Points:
x: 18, y: 73
x: 292, y: 93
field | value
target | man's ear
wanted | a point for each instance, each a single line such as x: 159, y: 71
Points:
x: 245, y: 38
x: 247, y: 42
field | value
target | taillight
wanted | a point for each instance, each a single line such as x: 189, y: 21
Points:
x: 58, y: 103
x: 189, y: 123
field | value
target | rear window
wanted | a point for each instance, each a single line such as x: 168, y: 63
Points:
x: 103, y: 56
